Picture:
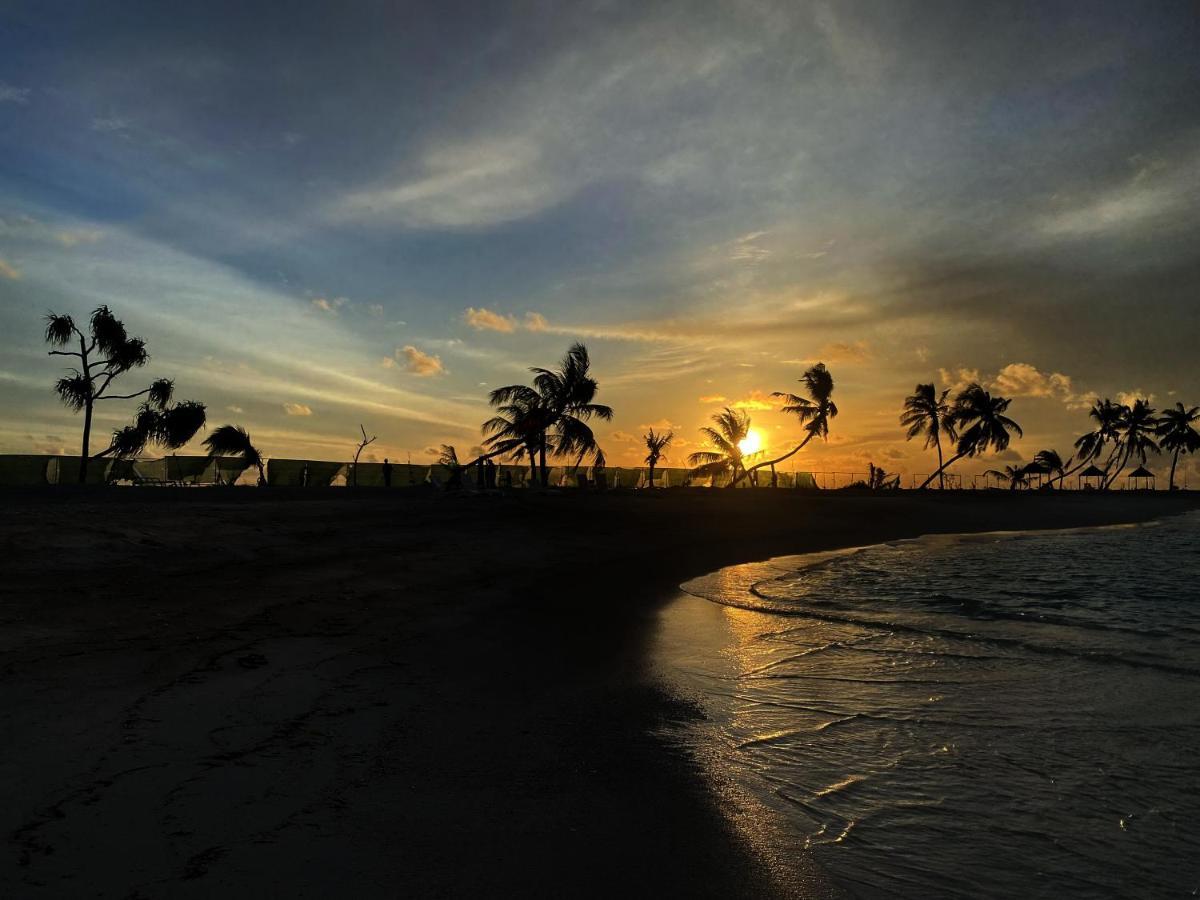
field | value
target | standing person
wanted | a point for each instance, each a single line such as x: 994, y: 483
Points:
x: 387, y: 472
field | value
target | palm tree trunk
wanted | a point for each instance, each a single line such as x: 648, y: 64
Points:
x: 941, y: 475
x: 955, y: 458
x: 652, y: 475
x: 1174, y: 461
x: 772, y: 462
x: 542, y: 461
x: 87, y: 439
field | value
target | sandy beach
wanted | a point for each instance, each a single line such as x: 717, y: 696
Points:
x: 375, y: 694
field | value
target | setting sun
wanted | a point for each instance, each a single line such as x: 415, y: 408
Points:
x: 751, y: 443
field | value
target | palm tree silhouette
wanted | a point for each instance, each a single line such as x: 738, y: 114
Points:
x: 981, y: 425
x: 814, y: 411
x: 927, y: 412
x: 726, y: 457
x: 1137, y: 424
x: 1089, y: 446
x: 550, y: 417
x: 233, y: 440
x: 1050, y: 462
x: 106, y: 353
x: 1016, y: 476
x: 656, y: 446
x: 1177, y: 434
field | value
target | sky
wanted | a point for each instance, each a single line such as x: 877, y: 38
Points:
x: 377, y: 212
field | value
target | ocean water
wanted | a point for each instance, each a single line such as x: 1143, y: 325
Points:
x: 1002, y: 715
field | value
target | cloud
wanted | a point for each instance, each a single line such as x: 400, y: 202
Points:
x: 25, y: 227
x: 756, y: 399
x: 9, y: 271
x: 837, y: 352
x: 746, y: 249
x: 659, y: 426
x: 375, y: 309
x: 326, y: 305
x: 297, y: 409
x: 483, y: 319
x: 957, y: 379
x: 423, y: 365
x: 235, y: 409
x: 110, y: 124
x: 713, y: 398
x: 12, y: 94
x: 536, y: 322
x: 1025, y: 380
x: 623, y: 437
x: 467, y: 185
x: 1128, y: 398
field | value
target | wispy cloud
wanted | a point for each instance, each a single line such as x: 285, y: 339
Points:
x: 329, y: 305
x: 468, y: 185
x: 9, y: 271
x: 12, y: 94
x: 297, y: 409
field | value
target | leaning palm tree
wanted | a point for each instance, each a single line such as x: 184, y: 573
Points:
x: 656, y: 446
x: 981, y: 423
x: 726, y: 458
x: 554, y: 411
x: 1177, y: 434
x: 1016, y: 476
x: 1088, y: 447
x: 518, y: 430
x: 1050, y: 463
x: 1137, y: 425
x: 814, y: 411
x: 927, y: 412
x: 233, y: 440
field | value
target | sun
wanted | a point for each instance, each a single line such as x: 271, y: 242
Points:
x: 751, y: 443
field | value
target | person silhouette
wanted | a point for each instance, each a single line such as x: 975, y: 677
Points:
x: 387, y: 473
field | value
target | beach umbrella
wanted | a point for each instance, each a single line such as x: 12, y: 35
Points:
x: 1144, y: 476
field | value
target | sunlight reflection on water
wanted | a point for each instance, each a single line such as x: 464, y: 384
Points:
x: 995, y: 715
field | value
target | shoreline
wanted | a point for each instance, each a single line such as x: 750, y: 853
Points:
x: 375, y: 683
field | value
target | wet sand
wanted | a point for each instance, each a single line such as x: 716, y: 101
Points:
x: 380, y: 694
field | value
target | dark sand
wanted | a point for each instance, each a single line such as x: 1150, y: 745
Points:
x: 273, y: 693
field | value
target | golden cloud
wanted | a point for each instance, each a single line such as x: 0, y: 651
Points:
x: 485, y: 320
x: 297, y: 409
x: 9, y: 271
x: 423, y: 365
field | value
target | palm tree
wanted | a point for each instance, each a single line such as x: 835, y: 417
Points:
x: 1136, y: 426
x: 656, y: 445
x: 981, y: 425
x: 814, y: 411
x: 233, y: 440
x: 1088, y: 447
x: 105, y: 353
x: 1177, y: 434
x: 1049, y: 462
x: 518, y: 430
x: 1016, y: 476
x: 551, y: 415
x: 927, y: 412
x: 726, y: 457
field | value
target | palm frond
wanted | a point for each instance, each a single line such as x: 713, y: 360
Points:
x: 59, y: 329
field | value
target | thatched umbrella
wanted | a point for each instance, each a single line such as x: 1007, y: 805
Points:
x: 1089, y: 473
x: 1144, y: 476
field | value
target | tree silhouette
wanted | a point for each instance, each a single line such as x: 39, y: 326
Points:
x: 106, y: 353
x: 814, y: 411
x: 357, y: 453
x: 656, y: 446
x: 1049, y: 462
x: 233, y: 440
x: 927, y: 412
x: 731, y: 428
x: 1136, y: 425
x: 1016, y: 476
x: 981, y: 425
x: 1177, y: 434
x: 550, y: 417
